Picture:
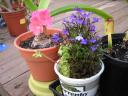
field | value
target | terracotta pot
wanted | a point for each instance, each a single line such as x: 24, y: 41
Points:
x: 16, y: 22
x: 42, y: 69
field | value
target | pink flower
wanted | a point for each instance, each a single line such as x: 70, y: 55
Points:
x: 39, y: 19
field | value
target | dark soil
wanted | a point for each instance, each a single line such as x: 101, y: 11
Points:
x: 85, y: 72
x: 27, y: 44
x: 119, y: 50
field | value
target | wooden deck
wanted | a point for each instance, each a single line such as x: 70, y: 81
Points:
x: 14, y: 73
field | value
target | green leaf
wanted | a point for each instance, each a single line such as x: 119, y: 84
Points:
x: 82, y: 6
x: 44, y: 4
x: 30, y: 5
x: 37, y: 54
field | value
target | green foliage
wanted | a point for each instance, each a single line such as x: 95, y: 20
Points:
x: 64, y: 53
x: 37, y: 54
x: 80, y: 50
x: 43, y: 4
x: 126, y: 36
x: 82, y: 6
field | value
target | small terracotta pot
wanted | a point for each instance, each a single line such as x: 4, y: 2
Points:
x: 16, y: 22
x: 42, y: 69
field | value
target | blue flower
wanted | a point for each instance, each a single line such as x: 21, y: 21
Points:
x: 79, y: 38
x: 93, y: 48
x: 72, y: 17
x: 72, y: 39
x: 65, y: 32
x: 65, y: 21
x: 98, y: 36
x: 55, y: 38
x: 92, y: 40
x: 97, y: 45
x: 84, y: 23
x: 79, y: 10
x: 92, y: 28
x: 79, y: 21
x: 86, y: 15
x: 83, y: 41
x: 95, y: 19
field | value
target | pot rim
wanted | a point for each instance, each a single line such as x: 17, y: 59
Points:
x: 119, y: 36
x: 85, y: 80
x: 22, y: 9
x: 33, y: 50
x: 115, y: 59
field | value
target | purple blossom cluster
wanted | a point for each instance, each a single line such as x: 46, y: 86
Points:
x: 80, y: 29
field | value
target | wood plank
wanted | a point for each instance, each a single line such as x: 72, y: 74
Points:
x: 19, y: 86
x: 12, y: 74
x: 12, y: 70
x: 8, y: 69
x: 94, y: 3
x: 3, y: 92
x: 113, y: 6
x: 114, y: 12
x: 10, y: 54
x: 20, y: 79
x: 120, y: 18
x: 58, y: 18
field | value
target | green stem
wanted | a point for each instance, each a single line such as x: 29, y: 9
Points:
x: 86, y: 8
x: 109, y: 41
x: 82, y: 6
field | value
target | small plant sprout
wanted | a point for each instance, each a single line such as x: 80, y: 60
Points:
x: 126, y: 36
x: 109, y: 29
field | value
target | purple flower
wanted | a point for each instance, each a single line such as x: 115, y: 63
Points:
x: 65, y: 32
x: 95, y: 19
x: 65, y: 21
x: 72, y: 39
x: 92, y: 28
x: 79, y: 21
x: 86, y: 15
x: 84, y: 23
x: 98, y: 36
x: 79, y: 38
x: 72, y: 17
x: 92, y: 40
x: 79, y: 10
x: 93, y: 48
x: 55, y: 38
x: 97, y: 45
x: 83, y: 41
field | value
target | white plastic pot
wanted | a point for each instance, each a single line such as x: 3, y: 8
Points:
x: 79, y: 87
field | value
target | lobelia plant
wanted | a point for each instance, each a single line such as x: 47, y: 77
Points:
x: 80, y: 48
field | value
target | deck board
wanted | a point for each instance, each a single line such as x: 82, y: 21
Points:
x: 14, y: 73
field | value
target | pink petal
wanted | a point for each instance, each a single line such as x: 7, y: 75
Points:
x: 38, y: 20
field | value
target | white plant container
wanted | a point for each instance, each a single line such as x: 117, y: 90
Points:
x: 79, y: 87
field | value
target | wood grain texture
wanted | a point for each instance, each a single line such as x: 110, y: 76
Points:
x: 14, y: 73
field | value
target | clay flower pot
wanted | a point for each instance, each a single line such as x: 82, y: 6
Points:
x: 16, y: 22
x: 42, y: 69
